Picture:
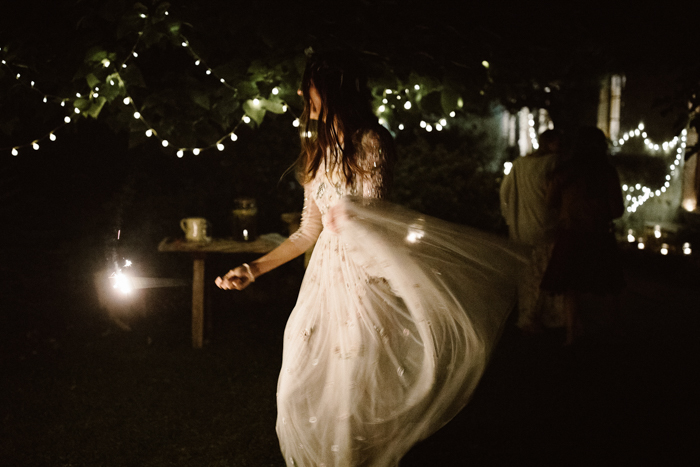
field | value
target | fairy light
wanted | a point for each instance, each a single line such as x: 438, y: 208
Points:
x: 686, y: 248
x: 507, y: 167
x: 234, y: 137
x: 180, y: 153
x: 220, y: 146
x: 630, y: 236
x: 52, y: 136
x: 149, y: 132
x: 15, y: 151
x: 246, y: 119
x: 196, y: 151
x: 137, y: 115
x: 664, y: 249
x: 164, y: 143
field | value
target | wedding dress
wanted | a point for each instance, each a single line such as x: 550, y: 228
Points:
x: 395, y: 320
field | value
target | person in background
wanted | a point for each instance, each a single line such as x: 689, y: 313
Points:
x: 531, y: 221
x: 585, y: 259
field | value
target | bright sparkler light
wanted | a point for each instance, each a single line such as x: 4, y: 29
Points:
x: 122, y: 282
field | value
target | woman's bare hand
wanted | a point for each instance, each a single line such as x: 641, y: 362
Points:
x: 236, y: 279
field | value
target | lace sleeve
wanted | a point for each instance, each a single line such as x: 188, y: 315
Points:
x: 311, y: 225
x: 378, y: 158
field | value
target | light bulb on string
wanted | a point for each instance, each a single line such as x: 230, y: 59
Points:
x: 246, y: 119
x: 196, y: 151
x: 165, y: 143
x: 76, y: 110
x: 15, y: 151
x: 45, y: 100
x: 137, y: 115
x: 35, y: 145
x: 180, y: 153
x: 234, y: 137
x: 407, y: 105
x: 126, y: 101
x: 135, y: 54
x: 275, y: 91
x: 149, y: 132
x: 295, y: 123
x: 220, y: 146
x: 66, y: 119
x: 208, y: 72
x: 52, y: 137
x: 197, y: 62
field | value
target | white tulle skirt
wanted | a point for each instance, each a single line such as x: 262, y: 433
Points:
x: 396, y: 318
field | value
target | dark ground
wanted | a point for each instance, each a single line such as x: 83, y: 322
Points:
x: 76, y: 390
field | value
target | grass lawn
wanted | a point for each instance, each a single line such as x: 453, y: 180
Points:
x: 76, y: 390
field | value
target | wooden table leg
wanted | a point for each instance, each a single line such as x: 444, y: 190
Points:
x: 198, y: 303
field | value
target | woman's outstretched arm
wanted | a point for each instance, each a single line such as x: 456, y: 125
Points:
x: 240, y: 277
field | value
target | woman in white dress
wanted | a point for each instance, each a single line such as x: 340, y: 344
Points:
x: 397, y: 313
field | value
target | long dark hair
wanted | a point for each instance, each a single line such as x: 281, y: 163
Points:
x: 346, y: 108
x: 589, y: 159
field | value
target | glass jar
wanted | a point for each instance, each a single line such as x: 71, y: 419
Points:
x: 245, y: 219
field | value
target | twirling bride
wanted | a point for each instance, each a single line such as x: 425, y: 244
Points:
x: 397, y: 313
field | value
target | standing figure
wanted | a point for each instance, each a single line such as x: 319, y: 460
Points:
x: 397, y: 313
x: 533, y: 222
x: 585, y: 259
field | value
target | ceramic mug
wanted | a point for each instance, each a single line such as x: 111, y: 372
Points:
x: 195, y: 229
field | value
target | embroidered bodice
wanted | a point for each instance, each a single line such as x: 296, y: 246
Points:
x: 328, y: 186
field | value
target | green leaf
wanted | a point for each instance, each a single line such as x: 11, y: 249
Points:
x: 201, y: 99
x: 92, y: 80
x: 95, y: 54
x: 96, y: 107
x: 275, y: 107
x: 450, y: 100
x: 256, y: 112
x: 82, y: 104
x: 174, y: 27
